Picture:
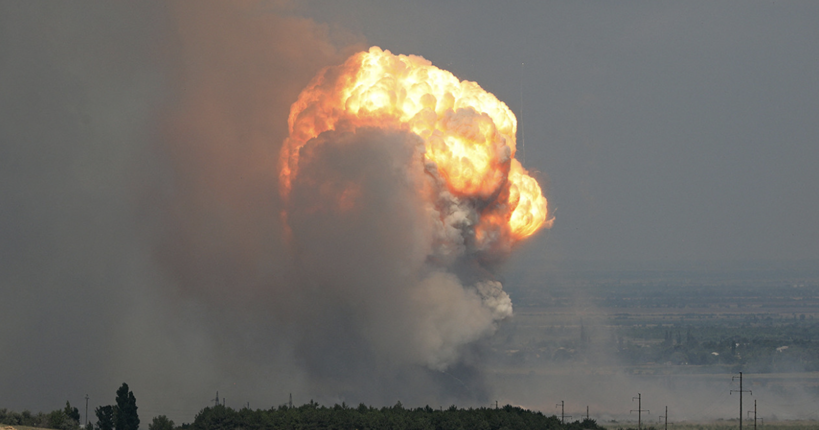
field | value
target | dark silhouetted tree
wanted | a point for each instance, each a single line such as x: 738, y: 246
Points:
x: 126, y: 417
x: 161, y: 423
x: 105, y: 417
x: 59, y: 420
x: 72, y: 413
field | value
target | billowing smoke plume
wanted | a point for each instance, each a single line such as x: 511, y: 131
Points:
x: 357, y: 252
x: 144, y: 236
x: 363, y: 236
x: 396, y: 178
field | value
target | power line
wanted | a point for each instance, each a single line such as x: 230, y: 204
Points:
x: 740, y: 391
x: 755, y: 418
x: 639, y: 410
x: 664, y: 416
x: 562, y: 412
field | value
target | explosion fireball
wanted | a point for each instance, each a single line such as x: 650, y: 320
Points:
x: 468, y: 135
x: 399, y: 184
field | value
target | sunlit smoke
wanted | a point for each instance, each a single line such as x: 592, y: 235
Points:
x: 468, y: 136
x: 397, y: 175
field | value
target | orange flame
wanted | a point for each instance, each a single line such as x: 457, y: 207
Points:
x: 468, y: 134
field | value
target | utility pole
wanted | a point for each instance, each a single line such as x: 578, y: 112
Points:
x: 755, y: 418
x: 216, y: 400
x: 587, y: 412
x: 290, y: 403
x: 639, y: 410
x: 562, y: 412
x: 496, y: 404
x: 86, y: 410
x: 740, y: 391
x: 664, y: 416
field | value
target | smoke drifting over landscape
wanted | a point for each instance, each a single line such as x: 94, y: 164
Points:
x: 192, y: 281
x: 147, y: 235
x: 367, y: 269
x: 337, y: 299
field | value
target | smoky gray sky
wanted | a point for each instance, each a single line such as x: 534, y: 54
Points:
x: 138, y: 147
x: 664, y: 131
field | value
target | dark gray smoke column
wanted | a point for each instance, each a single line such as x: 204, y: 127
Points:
x: 362, y: 231
x: 400, y: 186
x: 356, y: 291
x: 140, y: 225
x: 135, y: 143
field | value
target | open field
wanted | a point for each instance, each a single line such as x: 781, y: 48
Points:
x: 719, y: 425
x: 597, y: 339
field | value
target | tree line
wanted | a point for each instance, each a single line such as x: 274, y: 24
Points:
x: 62, y: 419
x: 123, y: 416
x: 313, y: 416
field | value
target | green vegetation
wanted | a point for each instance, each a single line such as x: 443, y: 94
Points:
x: 105, y: 417
x: 125, y: 413
x: 161, y: 422
x: 61, y: 419
x: 314, y: 416
x: 123, y: 416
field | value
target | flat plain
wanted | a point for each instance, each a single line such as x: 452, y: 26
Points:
x: 599, y: 338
